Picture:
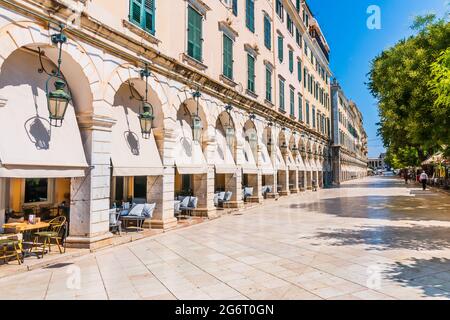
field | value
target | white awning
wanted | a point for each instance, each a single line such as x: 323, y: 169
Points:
x: 279, y: 164
x: 131, y: 154
x: 189, y: 157
x: 300, y: 163
x: 223, y: 157
x: 29, y: 146
x: 265, y: 163
x: 249, y: 165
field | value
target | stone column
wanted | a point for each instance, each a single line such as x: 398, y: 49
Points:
x: 294, y: 179
x: 90, y: 203
x: 161, y: 189
x: 233, y: 183
x: 284, y: 181
x: 204, y: 189
x: 255, y: 181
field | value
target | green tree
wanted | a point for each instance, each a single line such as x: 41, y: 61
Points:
x: 414, y: 119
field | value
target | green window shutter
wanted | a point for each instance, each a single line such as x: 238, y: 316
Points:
x: 267, y: 33
x: 250, y: 15
x: 194, y: 34
x: 314, y: 117
x: 307, y: 113
x: 235, y: 7
x: 291, y: 61
x: 142, y: 13
x: 149, y: 14
x: 305, y: 75
x: 300, y: 108
x: 227, y: 57
x: 268, y: 85
x: 280, y: 48
x: 299, y: 70
x: 292, y: 102
x: 281, y: 95
x: 251, y: 73
x: 136, y: 11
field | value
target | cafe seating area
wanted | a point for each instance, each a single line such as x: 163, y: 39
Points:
x: 33, y: 233
x: 130, y: 216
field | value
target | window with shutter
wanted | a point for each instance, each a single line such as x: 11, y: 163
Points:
x: 235, y: 7
x: 300, y: 108
x: 227, y: 57
x: 280, y: 48
x: 282, y: 95
x: 194, y: 34
x: 142, y: 13
x: 267, y: 33
x: 251, y: 73
x: 299, y: 70
x: 307, y: 113
x: 291, y: 61
x: 292, y: 101
x: 268, y: 84
x: 250, y: 15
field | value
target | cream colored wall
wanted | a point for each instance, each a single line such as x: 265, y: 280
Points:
x: 172, y: 37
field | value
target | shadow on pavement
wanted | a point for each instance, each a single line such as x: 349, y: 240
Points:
x: 382, y: 207
x: 432, y: 276
x: 417, y: 238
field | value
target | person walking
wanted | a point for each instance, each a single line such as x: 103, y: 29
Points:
x: 424, y: 180
x: 406, y: 176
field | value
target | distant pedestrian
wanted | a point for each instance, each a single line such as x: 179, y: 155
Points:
x: 314, y: 185
x: 423, y: 179
x: 406, y: 176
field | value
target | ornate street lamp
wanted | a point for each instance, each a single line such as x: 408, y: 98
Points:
x: 146, y: 116
x: 58, y: 99
x: 283, y: 147
x: 197, y: 125
x: 229, y: 130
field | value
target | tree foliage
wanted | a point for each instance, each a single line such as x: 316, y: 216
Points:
x: 412, y: 84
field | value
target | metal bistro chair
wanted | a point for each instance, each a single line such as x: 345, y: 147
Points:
x: 54, y: 232
x: 10, y: 248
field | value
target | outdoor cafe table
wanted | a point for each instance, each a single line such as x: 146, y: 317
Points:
x: 24, y: 227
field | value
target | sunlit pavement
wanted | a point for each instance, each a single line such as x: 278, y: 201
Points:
x: 369, y: 239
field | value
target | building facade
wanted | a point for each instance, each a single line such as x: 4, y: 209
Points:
x: 237, y: 93
x: 377, y: 163
x: 349, y: 138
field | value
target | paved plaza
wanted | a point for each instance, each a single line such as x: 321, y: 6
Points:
x: 368, y: 239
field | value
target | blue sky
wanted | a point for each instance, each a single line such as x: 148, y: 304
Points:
x: 353, y: 45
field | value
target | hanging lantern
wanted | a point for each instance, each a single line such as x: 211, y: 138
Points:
x: 253, y: 141
x: 146, y: 120
x: 295, y: 149
x: 57, y: 102
x: 283, y: 147
x: 229, y: 136
x: 197, y: 128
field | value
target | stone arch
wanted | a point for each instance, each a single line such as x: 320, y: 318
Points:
x: 223, y: 121
x: 157, y: 95
x: 250, y: 132
x: 77, y: 66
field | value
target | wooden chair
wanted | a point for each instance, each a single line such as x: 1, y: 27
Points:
x: 54, y: 232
